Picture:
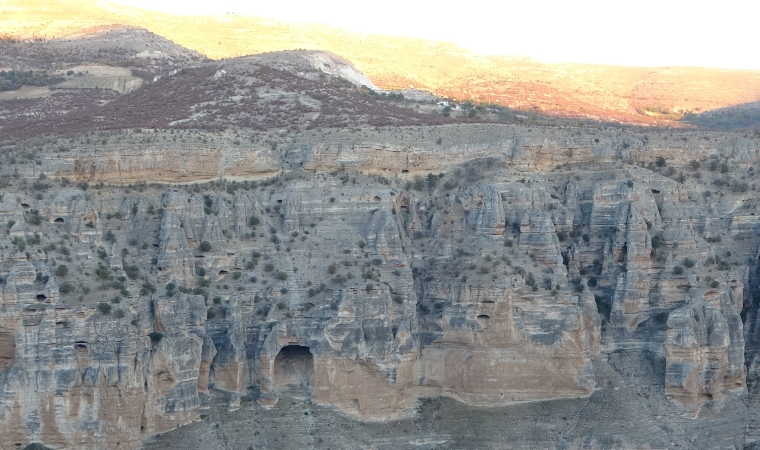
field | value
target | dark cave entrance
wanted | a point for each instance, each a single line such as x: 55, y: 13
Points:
x: 294, y: 370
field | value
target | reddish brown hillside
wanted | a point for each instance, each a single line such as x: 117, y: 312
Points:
x: 626, y: 94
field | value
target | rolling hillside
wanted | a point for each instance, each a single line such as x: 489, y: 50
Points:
x: 624, y: 94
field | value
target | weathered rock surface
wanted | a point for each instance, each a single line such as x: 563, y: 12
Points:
x: 128, y: 308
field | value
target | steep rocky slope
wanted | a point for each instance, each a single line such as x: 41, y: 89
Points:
x: 365, y: 269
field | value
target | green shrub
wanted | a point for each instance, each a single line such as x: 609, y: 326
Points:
x: 331, y: 269
x: 282, y: 276
x: 715, y: 284
x: 34, y: 217
x: 660, y: 162
x: 155, y: 337
x: 205, y: 246
x: 66, y: 288
x: 678, y: 270
x: 62, y: 271
x: 104, y: 308
x: 20, y: 243
x: 102, y: 272
x: 689, y: 263
x: 147, y: 288
x: 132, y: 271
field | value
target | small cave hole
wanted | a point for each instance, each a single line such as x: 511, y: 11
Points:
x: 25, y: 205
x: 484, y: 317
x: 41, y: 297
x: 377, y: 198
x: 279, y: 202
x: 59, y: 220
x: 655, y: 191
x: 404, y: 171
x: 223, y: 272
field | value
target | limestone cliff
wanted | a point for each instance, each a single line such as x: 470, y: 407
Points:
x: 515, y: 271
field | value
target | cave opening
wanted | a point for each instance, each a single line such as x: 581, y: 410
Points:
x: 622, y: 255
x: 294, y: 370
x: 7, y: 348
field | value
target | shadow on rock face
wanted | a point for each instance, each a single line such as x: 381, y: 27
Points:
x: 294, y: 370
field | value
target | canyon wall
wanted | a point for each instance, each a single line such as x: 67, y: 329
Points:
x: 504, y: 279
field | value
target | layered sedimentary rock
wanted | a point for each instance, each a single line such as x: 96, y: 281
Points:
x: 124, y: 307
x: 158, y: 157
x: 705, y: 352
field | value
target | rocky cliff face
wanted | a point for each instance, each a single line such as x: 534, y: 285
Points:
x: 513, y: 276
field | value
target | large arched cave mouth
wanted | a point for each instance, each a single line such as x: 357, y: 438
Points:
x: 294, y: 369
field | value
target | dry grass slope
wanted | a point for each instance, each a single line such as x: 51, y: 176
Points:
x: 625, y: 94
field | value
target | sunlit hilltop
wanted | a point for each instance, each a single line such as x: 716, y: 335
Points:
x: 624, y: 94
